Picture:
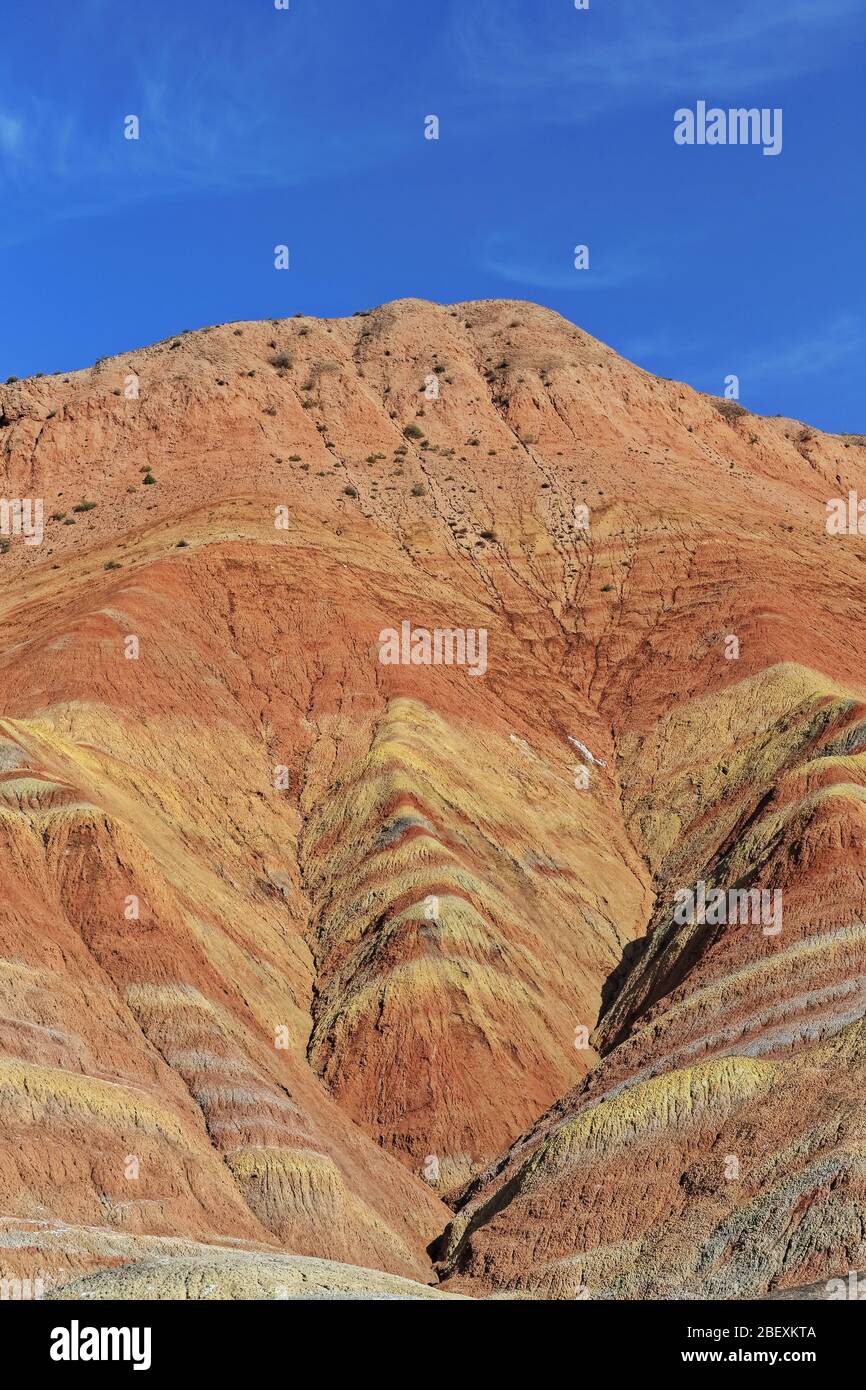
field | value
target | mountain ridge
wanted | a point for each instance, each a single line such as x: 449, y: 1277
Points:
x: 283, y: 807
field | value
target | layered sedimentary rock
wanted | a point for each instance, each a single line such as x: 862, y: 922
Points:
x: 202, y: 1275
x: 717, y: 1149
x: 297, y: 941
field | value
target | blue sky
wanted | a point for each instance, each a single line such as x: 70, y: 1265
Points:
x: 306, y: 127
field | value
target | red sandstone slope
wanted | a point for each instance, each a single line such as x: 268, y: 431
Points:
x: 392, y: 870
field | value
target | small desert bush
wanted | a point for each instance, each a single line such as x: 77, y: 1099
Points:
x: 730, y: 410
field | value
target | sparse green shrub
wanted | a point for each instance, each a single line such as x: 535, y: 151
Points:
x: 730, y: 410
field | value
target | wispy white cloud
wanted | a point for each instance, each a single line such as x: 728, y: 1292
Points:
x: 550, y: 278
x: 526, y: 258
x: 640, y: 50
x: 11, y: 133
x: 837, y: 342
x: 217, y: 114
